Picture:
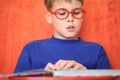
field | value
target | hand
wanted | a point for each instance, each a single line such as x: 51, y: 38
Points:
x: 68, y: 64
x: 50, y: 66
x: 64, y: 64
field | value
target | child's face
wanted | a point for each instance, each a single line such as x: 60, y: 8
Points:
x: 65, y: 27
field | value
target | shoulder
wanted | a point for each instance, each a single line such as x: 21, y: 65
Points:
x: 36, y: 43
x: 92, y: 46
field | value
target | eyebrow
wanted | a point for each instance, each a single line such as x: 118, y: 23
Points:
x: 67, y: 9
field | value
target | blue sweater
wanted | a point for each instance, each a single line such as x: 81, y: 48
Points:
x: 36, y: 54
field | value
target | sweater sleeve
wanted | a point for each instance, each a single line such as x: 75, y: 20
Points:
x: 103, y: 62
x: 24, y: 62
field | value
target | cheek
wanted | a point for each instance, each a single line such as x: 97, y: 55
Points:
x: 79, y: 23
x: 58, y: 23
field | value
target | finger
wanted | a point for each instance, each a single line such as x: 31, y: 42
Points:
x: 50, y: 66
x: 61, y: 64
x: 69, y: 65
x: 79, y: 66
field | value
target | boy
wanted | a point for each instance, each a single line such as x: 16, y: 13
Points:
x: 64, y: 50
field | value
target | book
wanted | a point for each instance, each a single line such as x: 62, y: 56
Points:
x: 64, y: 73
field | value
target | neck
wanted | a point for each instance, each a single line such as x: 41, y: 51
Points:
x: 67, y: 38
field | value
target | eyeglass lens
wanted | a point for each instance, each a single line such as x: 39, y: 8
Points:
x: 63, y: 13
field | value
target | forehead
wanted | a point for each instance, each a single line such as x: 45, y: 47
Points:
x: 68, y: 4
x: 69, y: 1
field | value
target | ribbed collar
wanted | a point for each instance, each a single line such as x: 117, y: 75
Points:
x: 65, y: 41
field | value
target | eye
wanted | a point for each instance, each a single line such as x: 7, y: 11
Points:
x: 77, y: 12
x: 61, y: 12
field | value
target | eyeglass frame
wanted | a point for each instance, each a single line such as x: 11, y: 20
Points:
x: 72, y: 12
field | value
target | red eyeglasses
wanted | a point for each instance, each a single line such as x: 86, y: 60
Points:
x: 63, y: 13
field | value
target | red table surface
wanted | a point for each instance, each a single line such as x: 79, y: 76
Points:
x: 62, y: 78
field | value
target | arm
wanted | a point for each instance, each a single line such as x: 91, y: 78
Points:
x: 103, y: 62
x: 24, y: 62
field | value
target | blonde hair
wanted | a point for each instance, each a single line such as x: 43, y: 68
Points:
x: 49, y: 3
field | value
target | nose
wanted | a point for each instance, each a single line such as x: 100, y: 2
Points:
x: 70, y: 17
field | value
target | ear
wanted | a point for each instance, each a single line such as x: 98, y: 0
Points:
x: 49, y: 17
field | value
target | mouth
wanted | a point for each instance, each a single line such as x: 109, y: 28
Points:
x: 71, y: 28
